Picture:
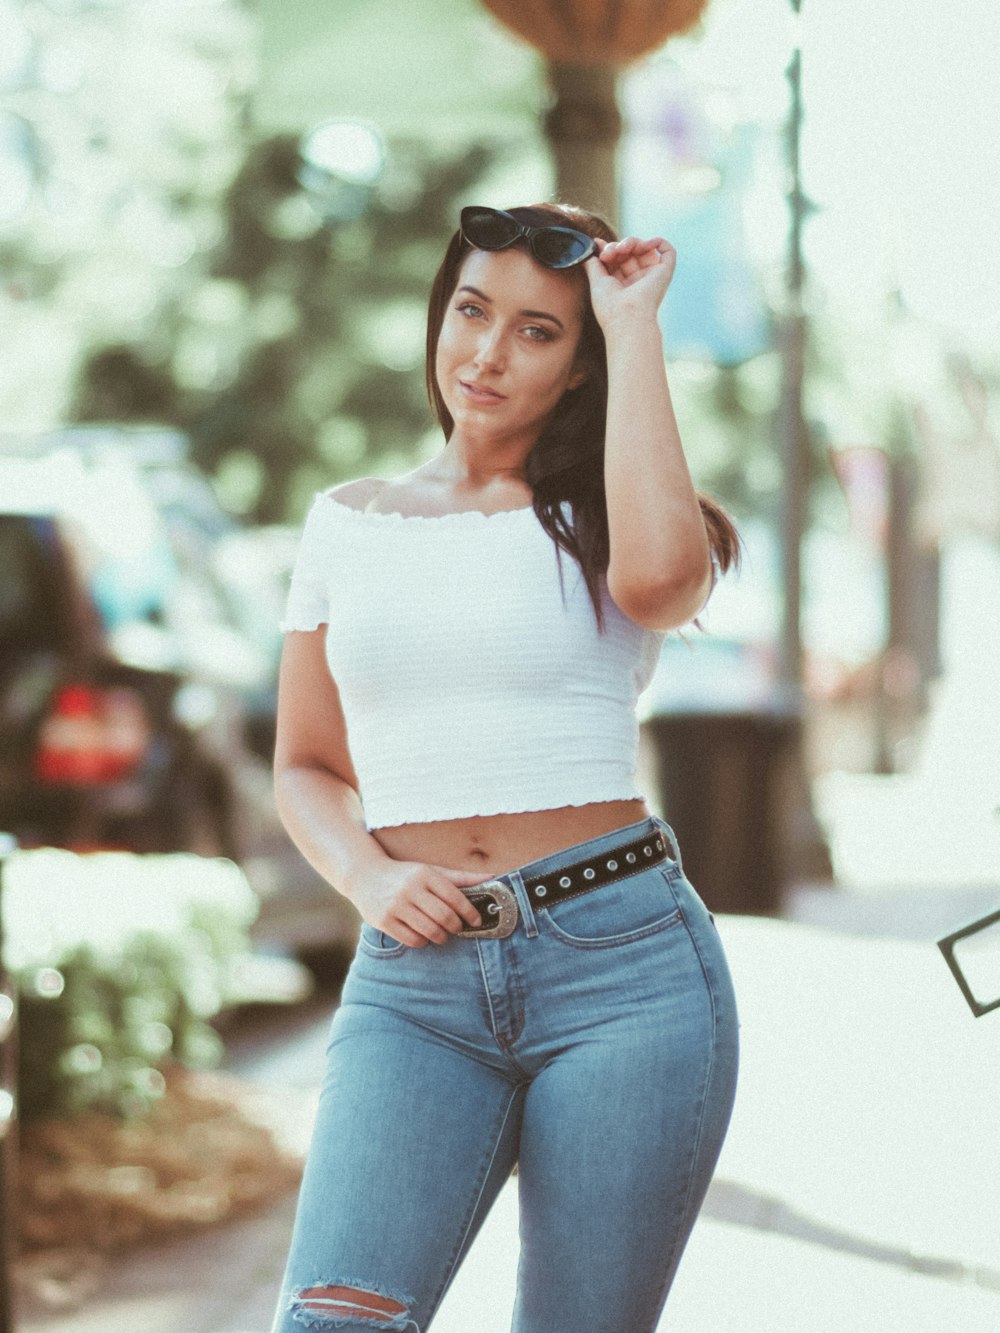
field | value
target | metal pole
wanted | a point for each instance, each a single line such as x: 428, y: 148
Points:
x: 792, y: 425
x: 8, y: 1115
x: 807, y: 846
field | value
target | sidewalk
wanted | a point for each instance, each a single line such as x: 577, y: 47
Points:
x: 854, y: 1192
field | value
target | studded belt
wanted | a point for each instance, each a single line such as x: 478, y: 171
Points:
x: 497, y: 903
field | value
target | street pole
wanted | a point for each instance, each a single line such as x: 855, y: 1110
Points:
x: 807, y: 851
x: 792, y: 425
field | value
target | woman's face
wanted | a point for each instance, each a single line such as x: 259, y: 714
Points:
x: 507, y: 349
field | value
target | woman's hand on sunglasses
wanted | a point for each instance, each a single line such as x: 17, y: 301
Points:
x: 630, y: 277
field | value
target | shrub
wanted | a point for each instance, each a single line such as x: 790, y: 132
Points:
x: 120, y: 962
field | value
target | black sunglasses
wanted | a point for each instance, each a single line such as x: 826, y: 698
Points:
x: 555, y: 247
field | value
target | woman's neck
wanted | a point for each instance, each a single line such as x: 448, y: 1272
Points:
x: 465, y: 476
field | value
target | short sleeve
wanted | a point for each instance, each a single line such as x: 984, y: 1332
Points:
x: 308, y: 602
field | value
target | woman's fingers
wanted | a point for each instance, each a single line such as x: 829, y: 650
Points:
x: 628, y: 246
x: 433, y: 920
x: 430, y: 906
x: 424, y: 925
x: 406, y: 934
x: 641, y: 267
x: 632, y: 254
x: 416, y: 902
x: 436, y: 909
x: 451, y: 893
x: 451, y: 912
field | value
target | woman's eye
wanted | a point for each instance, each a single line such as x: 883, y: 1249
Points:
x: 470, y: 309
x: 537, y: 334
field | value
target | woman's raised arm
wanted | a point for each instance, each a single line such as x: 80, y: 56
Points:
x: 659, y: 572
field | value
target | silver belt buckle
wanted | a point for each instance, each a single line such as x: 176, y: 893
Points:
x: 503, y: 909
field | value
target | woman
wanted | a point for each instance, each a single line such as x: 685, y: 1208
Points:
x: 536, y: 982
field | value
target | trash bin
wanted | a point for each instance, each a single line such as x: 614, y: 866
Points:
x: 722, y: 780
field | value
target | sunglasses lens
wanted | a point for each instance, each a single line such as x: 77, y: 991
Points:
x: 487, y: 229
x: 559, y: 247
x: 556, y: 247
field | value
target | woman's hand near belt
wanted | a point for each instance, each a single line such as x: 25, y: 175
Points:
x: 415, y: 903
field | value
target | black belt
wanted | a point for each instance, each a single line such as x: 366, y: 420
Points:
x: 497, y: 902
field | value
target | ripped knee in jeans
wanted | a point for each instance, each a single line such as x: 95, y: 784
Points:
x: 350, y: 1305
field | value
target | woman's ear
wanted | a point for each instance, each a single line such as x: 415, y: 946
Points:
x: 577, y: 377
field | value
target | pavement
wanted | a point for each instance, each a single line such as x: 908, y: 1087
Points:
x: 855, y: 1191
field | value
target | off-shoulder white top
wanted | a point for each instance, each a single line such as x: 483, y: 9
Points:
x: 472, y: 681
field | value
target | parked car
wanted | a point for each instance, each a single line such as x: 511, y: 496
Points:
x: 136, y: 710
x: 98, y: 749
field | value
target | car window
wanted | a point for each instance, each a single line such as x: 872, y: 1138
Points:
x: 33, y: 596
x: 137, y: 588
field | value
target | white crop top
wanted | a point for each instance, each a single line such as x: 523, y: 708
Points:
x: 469, y: 685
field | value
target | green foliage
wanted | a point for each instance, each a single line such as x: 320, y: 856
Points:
x: 120, y: 125
x: 119, y: 962
x: 302, y: 347
x: 96, y: 1031
x: 730, y: 420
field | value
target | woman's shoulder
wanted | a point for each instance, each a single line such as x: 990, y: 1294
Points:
x: 357, y: 494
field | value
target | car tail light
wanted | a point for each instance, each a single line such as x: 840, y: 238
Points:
x: 91, y: 736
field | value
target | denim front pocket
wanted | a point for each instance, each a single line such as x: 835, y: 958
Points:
x: 629, y: 909
x: 689, y: 900
x: 377, y: 944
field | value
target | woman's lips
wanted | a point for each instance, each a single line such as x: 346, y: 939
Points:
x: 478, y: 393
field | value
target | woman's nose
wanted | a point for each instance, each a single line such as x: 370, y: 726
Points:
x: 490, y: 351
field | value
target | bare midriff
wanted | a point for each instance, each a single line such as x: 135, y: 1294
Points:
x: 495, y: 844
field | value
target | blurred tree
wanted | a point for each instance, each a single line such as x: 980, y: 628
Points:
x: 120, y: 127
x: 298, y: 359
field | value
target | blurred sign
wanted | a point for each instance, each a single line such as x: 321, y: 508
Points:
x: 686, y: 179
x: 863, y: 473
x: 960, y: 459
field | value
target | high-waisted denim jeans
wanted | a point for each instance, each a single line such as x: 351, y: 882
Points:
x: 595, y: 1047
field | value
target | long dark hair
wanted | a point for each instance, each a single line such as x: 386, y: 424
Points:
x: 566, y: 462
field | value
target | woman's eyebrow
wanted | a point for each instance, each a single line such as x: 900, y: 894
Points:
x: 529, y: 314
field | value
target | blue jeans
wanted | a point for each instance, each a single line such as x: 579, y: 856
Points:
x: 595, y: 1047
